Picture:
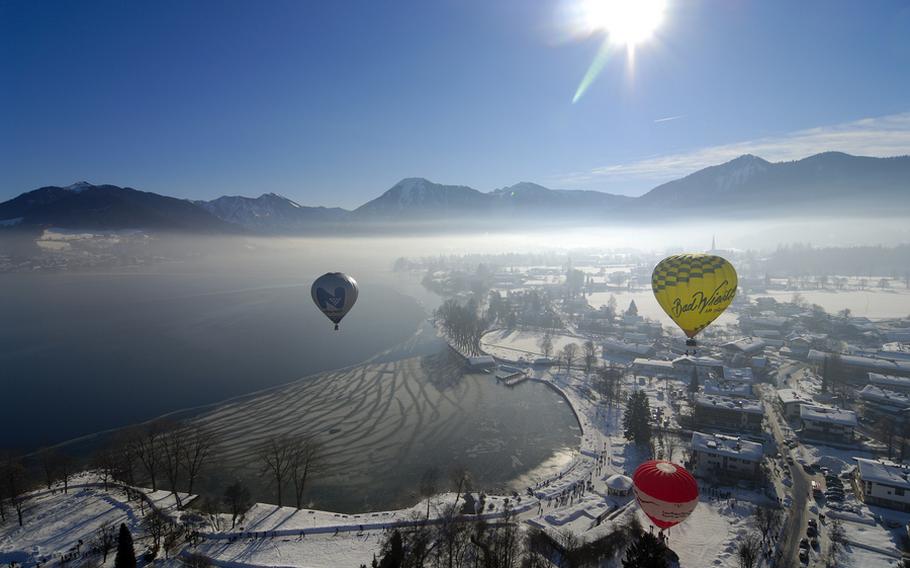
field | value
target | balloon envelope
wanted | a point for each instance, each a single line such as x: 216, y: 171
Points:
x: 334, y: 293
x: 666, y: 492
x: 694, y: 289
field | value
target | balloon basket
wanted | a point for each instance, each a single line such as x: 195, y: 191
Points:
x: 336, y: 327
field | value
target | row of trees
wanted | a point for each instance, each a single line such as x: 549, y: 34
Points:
x: 461, y: 541
x: 462, y: 324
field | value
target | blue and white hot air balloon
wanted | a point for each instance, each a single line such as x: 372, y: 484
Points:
x: 334, y: 293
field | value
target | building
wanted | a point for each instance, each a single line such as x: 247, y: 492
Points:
x: 883, y: 483
x: 884, y: 401
x: 727, y: 413
x: 747, y: 346
x: 860, y: 363
x: 827, y: 423
x: 619, y: 485
x: 715, y: 456
x: 890, y: 382
x: 791, y: 402
x: 481, y: 362
x: 679, y: 368
x: 653, y: 368
x: 625, y: 347
x: 739, y: 375
x: 728, y: 388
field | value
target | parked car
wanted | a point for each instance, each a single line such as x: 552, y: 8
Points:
x: 804, y: 543
x: 811, y: 531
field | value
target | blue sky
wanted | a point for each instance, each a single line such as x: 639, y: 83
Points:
x: 333, y: 102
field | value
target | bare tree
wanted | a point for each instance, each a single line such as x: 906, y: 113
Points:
x: 305, y: 460
x: 276, y: 456
x: 155, y: 523
x: 106, y: 539
x: 144, y: 443
x: 569, y: 352
x: 768, y: 521
x: 105, y: 461
x: 428, y: 486
x: 16, y: 483
x: 460, y: 478
x: 748, y: 551
x: 590, y: 354
x: 48, y: 460
x: 198, y: 450
x: 546, y: 344
x: 237, y: 497
x: 171, y: 443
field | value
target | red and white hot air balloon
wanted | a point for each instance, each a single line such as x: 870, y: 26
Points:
x: 666, y: 492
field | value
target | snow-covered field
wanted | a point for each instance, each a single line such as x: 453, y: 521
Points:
x: 514, y: 345
x: 872, y: 303
x: 55, y: 522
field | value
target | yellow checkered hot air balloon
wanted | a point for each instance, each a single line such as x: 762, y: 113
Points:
x: 694, y: 289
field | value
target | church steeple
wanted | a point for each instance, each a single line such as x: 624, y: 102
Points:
x: 713, y: 245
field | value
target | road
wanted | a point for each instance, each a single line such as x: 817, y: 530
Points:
x: 797, y: 514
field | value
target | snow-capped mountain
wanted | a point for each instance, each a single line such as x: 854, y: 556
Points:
x: 270, y: 213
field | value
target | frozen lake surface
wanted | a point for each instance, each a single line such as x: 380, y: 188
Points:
x: 386, y: 422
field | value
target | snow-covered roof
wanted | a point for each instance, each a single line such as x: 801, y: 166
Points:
x: 742, y: 375
x: 879, y: 395
x: 481, y: 361
x: 787, y: 396
x: 868, y: 363
x: 712, y: 401
x: 746, y: 344
x: 889, y: 381
x: 620, y: 345
x: 884, y: 472
x: 828, y: 414
x: 727, y: 446
x: 725, y: 388
x: 698, y: 361
x: 654, y: 363
x: 619, y: 482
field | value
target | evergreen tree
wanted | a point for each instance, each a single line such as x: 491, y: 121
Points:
x: 646, y: 552
x: 126, y: 556
x: 394, y: 555
x: 637, y: 419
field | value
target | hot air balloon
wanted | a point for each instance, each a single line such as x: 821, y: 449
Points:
x: 334, y: 293
x: 666, y: 492
x: 694, y: 289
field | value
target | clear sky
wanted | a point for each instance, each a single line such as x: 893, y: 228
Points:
x: 331, y: 103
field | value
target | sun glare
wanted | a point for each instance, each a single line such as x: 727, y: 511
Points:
x: 626, y: 22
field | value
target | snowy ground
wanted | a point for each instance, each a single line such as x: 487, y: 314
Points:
x: 55, y: 522
x: 517, y: 345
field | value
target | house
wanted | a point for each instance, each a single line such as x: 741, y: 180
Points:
x: 625, y: 347
x: 747, y: 346
x: 619, y: 485
x: 653, y: 368
x: 727, y: 388
x: 790, y: 402
x: 883, y: 483
x: 828, y: 423
x: 739, y: 375
x: 716, y: 456
x: 727, y: 413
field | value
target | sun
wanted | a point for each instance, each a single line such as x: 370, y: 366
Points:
x: 626, y: 22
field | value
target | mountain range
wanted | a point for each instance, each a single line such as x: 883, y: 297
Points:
x: 826, y: 183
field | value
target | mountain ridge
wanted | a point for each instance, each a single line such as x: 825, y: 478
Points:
x: 748, y: 184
